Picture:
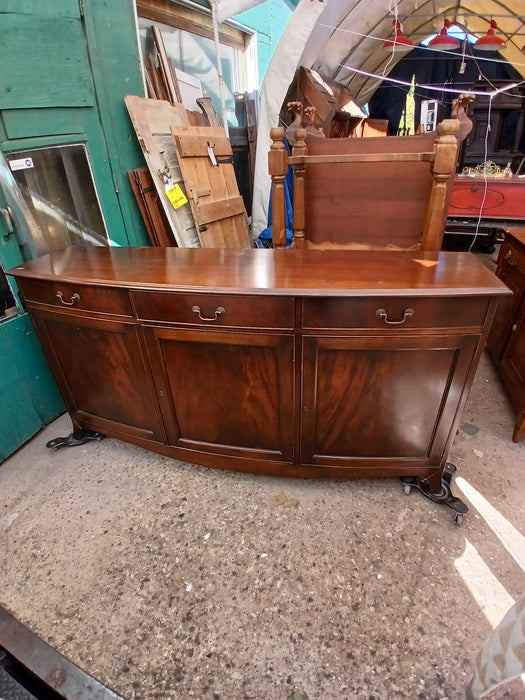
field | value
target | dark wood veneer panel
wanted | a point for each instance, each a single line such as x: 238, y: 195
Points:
x: 333, y: 273
x: 428, y: 313
x: 101, y: 372
x: 239, y: 310
x: 231, y: 393
x: 91, y: 298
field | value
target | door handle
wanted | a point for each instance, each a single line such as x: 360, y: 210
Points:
x: 382, y: 314
x: 9, y: 220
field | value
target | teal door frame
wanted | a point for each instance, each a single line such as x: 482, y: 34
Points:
x: 29, y: 398
x: 69, y: 88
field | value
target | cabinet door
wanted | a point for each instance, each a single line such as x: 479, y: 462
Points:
x: 225, y: 393
x: 99, y: 367
x: 382, y: 402
x: 506, y: 310
x: 513, y: 359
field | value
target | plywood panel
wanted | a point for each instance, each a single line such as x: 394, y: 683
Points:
x: 152, y: 120
x: 205, y: 159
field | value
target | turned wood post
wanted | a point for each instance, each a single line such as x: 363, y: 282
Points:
x: 278, y: 167
x: 299, y: 150
x: 444, y: 168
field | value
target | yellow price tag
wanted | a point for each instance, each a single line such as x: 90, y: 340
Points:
x: 176, y: 196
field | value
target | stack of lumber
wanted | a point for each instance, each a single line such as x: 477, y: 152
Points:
x: 188, y: 194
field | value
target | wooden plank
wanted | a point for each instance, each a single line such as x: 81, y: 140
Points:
x: 152, y: 120
x: 206, y: 105
x: 251, y: 120
x: 212, y: 188
x: 363, y: 158
x: 155, y: 220
x: 42, y: 122
x: 166, y: 68
x: 195, y: 146
x: 152, y: 72
x: 221, y: 209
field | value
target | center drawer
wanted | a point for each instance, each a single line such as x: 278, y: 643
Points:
x: 394, y: 312
x: 217, y: 310
x: 66, y: 295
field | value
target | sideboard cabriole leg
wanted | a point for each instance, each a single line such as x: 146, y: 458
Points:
x: 77, y: 437
x: 444, y: 497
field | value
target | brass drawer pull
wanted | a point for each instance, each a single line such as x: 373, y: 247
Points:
x: 382, y: 314
x: 510, y: 256
x: 74, y: 299
x: 218, y: 312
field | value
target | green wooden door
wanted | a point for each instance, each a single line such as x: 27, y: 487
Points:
x: 29, y: 398
x: 65, y: 70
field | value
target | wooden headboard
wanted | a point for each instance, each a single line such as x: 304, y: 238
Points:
x: 386, y: 193
x: 369, y: 193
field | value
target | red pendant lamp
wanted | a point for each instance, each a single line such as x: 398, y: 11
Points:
x: 490, y: 42
x: 444, y: 42
x: 400, y: 42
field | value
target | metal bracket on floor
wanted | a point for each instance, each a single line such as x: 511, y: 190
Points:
x: 444, y: 497
x: 78, y: 437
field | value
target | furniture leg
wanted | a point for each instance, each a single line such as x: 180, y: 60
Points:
x: 77, y: 437
x: 519, y: 427
x: 444, y: 496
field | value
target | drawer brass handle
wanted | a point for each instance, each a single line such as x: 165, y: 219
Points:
x: 382, y: 314
x: 218, y: 312
x: 74, y: 299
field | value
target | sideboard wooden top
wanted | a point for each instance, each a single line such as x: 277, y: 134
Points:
x: 517, y: 233
x: 269, y: 271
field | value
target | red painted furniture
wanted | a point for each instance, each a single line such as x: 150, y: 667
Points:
x: 484, y: 207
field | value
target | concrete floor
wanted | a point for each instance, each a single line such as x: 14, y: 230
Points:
x: 167, y: 580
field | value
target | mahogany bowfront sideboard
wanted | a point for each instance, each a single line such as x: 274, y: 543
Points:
x: 281, y: 362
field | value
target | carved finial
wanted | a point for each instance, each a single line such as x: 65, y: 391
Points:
x: 447, y: 130
x: 459, y: 111
x: 310, y: 116
x: 297, y: 110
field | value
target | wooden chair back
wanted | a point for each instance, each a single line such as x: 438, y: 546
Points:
x: 384, y: 193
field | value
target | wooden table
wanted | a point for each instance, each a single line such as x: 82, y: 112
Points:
x: 285, y: 362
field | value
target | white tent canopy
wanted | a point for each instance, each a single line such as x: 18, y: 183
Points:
x: 343, y: 40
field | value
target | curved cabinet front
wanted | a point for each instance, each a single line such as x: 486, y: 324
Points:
x: 100, y: 369
x: 226, y: 393
x: 294, y: 363
x: 376, y: 402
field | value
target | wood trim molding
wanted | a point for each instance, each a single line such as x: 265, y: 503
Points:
x: 191, y: 20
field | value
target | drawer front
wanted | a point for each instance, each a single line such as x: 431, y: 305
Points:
x: 65, y: 295
x: 381, y: 313
x: 219, y: 310
x: 511, y: 254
